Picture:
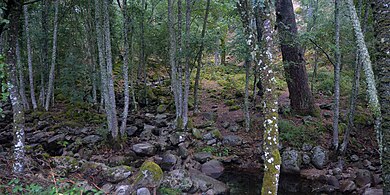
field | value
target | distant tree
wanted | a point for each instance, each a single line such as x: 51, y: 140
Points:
x: 125, y: 68
x: 22, y: 89
x: 302, y: 101
x: 336, y: 106
x: 382, y: 34
x: 187, y: 63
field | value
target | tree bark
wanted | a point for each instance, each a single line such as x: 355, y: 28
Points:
x: 246, y: 99
x: 45, y: 51
x: 110, y: 76
x: 172, y: 57
x: 187, y: 64
x: 179, y: 59
x: 302, y: 101
x: 29, y: 57
x: 382, y: 35
x: 50, y: 87
x: 197, y: 77
x: 142, y: 66
x: 17, y: 107
x: 125, y: 69
x: 370, y: 78
x: 336, y: 106
x: 22, y: 87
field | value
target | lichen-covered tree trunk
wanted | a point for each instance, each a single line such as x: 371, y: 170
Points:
x: 355, y: 89
x: 17, y: 106
x: 187, y: 64
x: 265, y: 56
x: 110, y: 103
x: 172, y: 56
x: 368, y: 71
x: 336, y: 105
x: 125, y: 69
x: 50, y: 86
x: 302, y: 101
x: 29, y: 57
x: 199, y: 60
x: 382, y: 34
x: 22, y: 89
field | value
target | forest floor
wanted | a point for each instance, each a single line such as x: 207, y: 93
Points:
x: 74, y: 132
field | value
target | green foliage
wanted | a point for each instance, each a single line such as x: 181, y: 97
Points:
x: 296, y: 135
x: 216, y: 151
x: 325, y: 82
x: 169, y: 191
x: 15, y: 186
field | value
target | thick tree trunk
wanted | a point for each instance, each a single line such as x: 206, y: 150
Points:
x: 17, y: 106
x: 125, y: 69
x: 370, y: 78
x: 336, y: 106
x: 187, y: 64
x: 50, y: 87
x: 302, y: 101
x: 29, y: 57
x: 382, y: 34
x: 110, y: 76
x: 197, y: 77
x: 22, y: 87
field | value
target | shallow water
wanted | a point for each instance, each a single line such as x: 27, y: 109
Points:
x: 241, y: 183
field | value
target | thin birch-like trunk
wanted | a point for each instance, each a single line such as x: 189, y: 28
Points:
x: 179, y: 61
x: 110, y: 76
x: 172, y: 56
x: 368, y: 71
x: 246, y: 99
x: 142, y: 54
x: 50, y: 87
x: 45, y: 51
x: 29, y: 57
x: 22, y: 89
x: 197, y: 77
x: 125, y: 69
x: 336, y: 106
x: 187, y: 64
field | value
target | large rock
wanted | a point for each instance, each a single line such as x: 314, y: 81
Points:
x: 291, y: 162
x: 363, y: 177
x: 117, y: 174
x: 66, y: 164
x: 91, y: 139
x: 232, y: 140
x: 144, y: 149
x: 202, y: 157
x: 319, y: 157
x: 205, y: 183
x: 149, y: 175
x: 213, y: 168
x: 178, y: 179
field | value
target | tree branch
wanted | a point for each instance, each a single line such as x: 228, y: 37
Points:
x: 31, y: 2
x: 323, y: 51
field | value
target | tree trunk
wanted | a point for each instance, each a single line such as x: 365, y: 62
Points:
x: 370, y: 78
x: 382, y: 29
x: 179, y: 62
x: 302, y: 101
x: 197, y: 77
x: 125, y: 69
x: 142, y: 54
x: 187, y: 64
x: 45, y: 51
x: 29, y: 57
x: 336, y: 106
x: 17, y: 106
x: 50, y: 87
x: 22, y: 89
x: 110, y: 76
x: 246, y: 99
x: 355, y: 91
x: 172, y: 57
x: 271, y: 136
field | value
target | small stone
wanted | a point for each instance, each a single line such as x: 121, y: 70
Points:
x: 91, y: 139
x: 232, y: 140
x: 117, y: 174
x: 333, y: 181
x: 106, y: 188
x: 307, y: 147
x: 373, y: 191
x: 202, y: 157
x: 319, y: 157
x: 123, y: 190
x: 226, y: 125
x: 306, y: 159
x: 233, y: 128
x: 168, y: 162
x: 354, y: 158
x: 363, y: 177
x: 347, y: 186
x: 143, y: 191
x: 196, y: 133
x: 366, y: 163
x: 131, y: 130
x: 144, y: 149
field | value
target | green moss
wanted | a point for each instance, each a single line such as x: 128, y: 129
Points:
x: 190, y: 124
x: 153, y: 169
x: 161, y: 108
x: 216, y: 134
x: 196, y: 133
x: 235, y: 107
x: 169, y: 191
x: 229, y: 102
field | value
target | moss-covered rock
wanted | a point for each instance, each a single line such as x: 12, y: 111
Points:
x: 161, y: 108
x: 197, y: 133
x: 234, y: 107
x: 150, y: 174
x: 216, y: 134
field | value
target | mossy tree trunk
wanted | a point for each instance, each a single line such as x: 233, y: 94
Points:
x: 187, y: 63
x: 302, y: 101
x: 336, y: 100
x: 271, y: 135
x: 382, y: 34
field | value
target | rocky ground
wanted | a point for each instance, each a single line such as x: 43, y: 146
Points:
x: 68, y: 146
